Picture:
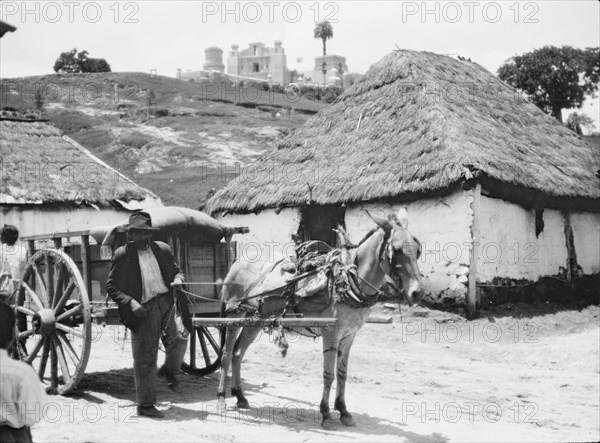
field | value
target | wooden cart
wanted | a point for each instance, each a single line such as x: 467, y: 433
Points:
x: 62, y: 296
x: 62, y: 299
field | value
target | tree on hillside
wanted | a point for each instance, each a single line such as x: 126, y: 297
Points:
x: 73, y: 62
x: 577, y: 121
x: 555, y: 78
x: 67, y: 62
x: 324, y: 31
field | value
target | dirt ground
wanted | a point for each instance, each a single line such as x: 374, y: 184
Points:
x: 428, y: 376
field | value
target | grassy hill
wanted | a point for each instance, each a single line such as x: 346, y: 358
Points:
x: 192, y: 138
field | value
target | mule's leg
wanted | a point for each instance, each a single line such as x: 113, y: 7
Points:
x: 242, y: 344
x: 330, y: 347
x: 230, y: 336
x: 343, y: 354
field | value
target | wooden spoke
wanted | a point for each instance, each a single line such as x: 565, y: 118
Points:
x: 60, y: 282
x: 34, y: 352
x: 23, y: 335
x: 60, y: 353
x: 70, y: 312
x: 193, y: 350
x: 33, y: 296
x: 211, y: 339
x: 40, y: 278
x: 53, y: 367
x: 68, y: 330
x: 44, y: 359
x: 67, y: 345
x: 63, y: 300
x: 27, y: 274
x: 26, y: 311
x: 203, y: 346
x: 49, y: 279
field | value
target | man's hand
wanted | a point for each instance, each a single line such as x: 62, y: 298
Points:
x: 177, y: 281
x: 138, y: 310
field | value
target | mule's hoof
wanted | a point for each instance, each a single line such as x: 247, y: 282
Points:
x: 347, y: 420
x: 243, y: 404
x: 329, y: 425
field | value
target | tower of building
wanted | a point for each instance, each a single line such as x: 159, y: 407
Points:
x: 213, y: 59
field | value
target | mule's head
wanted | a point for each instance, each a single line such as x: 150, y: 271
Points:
x: 399, y: 254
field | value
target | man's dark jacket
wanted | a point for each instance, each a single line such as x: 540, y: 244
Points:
x: 125, y: 279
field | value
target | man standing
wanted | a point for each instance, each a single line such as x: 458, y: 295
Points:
x: 22, y: 397
x: 12, y: 261
x: 140, y: 281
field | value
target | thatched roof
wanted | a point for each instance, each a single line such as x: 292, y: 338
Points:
x: 41, y: 166
x: 419, y: 124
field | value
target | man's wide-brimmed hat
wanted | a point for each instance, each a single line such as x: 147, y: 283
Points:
x: 140, y: 221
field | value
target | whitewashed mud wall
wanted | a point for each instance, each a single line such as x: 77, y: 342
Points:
x: 586, y: 236
x: 270, y: 234
x: 37, y: 221
x: 509, y: 247
x: 443, y: 225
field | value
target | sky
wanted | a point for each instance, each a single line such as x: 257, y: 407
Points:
x: 166, y: 35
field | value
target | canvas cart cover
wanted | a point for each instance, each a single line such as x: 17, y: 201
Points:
x: 168, y: 219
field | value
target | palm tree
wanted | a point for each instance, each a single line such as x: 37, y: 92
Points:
x: 324, y: 31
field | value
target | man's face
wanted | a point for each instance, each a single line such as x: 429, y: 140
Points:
x: 141, y: 239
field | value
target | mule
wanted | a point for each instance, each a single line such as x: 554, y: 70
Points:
x: 389, y: 249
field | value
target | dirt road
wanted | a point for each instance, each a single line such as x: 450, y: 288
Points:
x: 429, y: 376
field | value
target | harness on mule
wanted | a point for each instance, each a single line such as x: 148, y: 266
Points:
x: 317, y: 279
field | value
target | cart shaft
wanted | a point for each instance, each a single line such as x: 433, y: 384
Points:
x: 251, y: 321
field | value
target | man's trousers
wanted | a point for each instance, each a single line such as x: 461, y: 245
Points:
x: 159, y: 323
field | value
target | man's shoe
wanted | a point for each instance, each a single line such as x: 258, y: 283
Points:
x: 149, y: 411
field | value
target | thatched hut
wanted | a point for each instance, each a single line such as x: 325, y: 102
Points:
x: 49, y: 183
x: 496, y: 189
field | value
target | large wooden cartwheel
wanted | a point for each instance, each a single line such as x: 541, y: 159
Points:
x: 205, y: 350
x: 53, y: 320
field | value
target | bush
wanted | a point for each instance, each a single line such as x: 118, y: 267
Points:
x: 73, y: 121
x: 162, y: 112
x: 135, y: 140
x: 310, y: 92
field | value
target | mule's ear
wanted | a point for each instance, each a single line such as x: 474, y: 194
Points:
x: 402, y: 217
x: 380, y: 221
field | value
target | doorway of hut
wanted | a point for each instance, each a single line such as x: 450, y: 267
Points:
x: 318, y: 222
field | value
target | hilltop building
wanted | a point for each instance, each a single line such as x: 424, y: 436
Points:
x: 213, y: 65
x: 259, y: 61
x: 213, y: 59
x: 337, y: 71
x: 266, y: 64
